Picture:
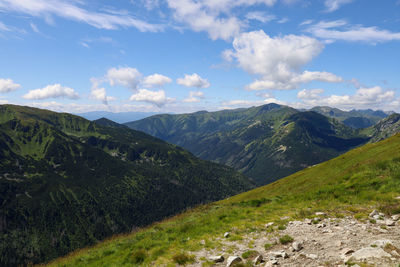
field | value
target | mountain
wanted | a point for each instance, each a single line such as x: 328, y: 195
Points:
x: 385, y: 128
x: 120, y: 117
x: 345, y: 189
x: 66, y: 182
x: 265, y: 143
x: 356, y: 119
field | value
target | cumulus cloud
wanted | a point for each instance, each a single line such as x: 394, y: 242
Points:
x: 374, y: 97
x: 249, y: 103
x: 193, y: 80
x: 156, y: 80
x: 74, y: 10
x: 127, y: 77
x: 205, y: 15
x: 333, y: 5
x: 8, y: 85
x: 341, y: 30
x: 278, y: 61
x: 157, y: 98
x: 194, y: 97
x: 52, y: 91
x: 4, y: 27
x: 101, y: 94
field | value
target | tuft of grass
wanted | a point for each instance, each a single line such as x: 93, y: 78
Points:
x: 285, y: 239
x: 267, y: 246
x: 183, y: 258
x: 249, y: 254
x: 281, y: 227
x: 139, y: 256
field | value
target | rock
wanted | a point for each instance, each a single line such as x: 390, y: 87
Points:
x: 338, y: 243
x: 373, y: 213
x: 312, y: 256
x: 218, y: 258
x: 226, y: 235
x: 347, y: 251
x: 398, y: 197
x: 390, y: 222
x: 258, y: 260
x: 366, y: 253
x: 269, y: 224
x: 271, y: 263
x: 381, y: 243
x: 376, y: 217
x: 297, y: 246
x: 395, y: 253
x: 308, y: 221
x: 320, y: 214
x: 285, y: 218
x: 202, y: 242
x: 278, y: 254
x: 381, y: 214
x: 315, y: 220
x: 321, y: 225
x: 396, y: 217
x: 232, y: 260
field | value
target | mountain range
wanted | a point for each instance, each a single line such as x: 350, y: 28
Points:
x: 66, y: 182
x: 265, y: 143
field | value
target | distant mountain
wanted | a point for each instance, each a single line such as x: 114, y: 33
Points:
x: 384, y: 128
x: 119, y: 117
x: 356, y: 119
x: 66, y: 182
x: 265, y: 143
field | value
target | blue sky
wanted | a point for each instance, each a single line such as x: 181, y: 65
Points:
x: 188, y: 55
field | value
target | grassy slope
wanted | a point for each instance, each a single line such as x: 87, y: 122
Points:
x: 353, y: 183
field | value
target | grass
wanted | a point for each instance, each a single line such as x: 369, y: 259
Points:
x: 354, y: 183
x: 285, y: 239
x: 249, y: 254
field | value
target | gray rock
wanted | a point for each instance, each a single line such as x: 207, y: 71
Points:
x: 381, y: 243
x: 308, y: 221
x: 320, y: 214
x: 278, y: 254
x: 218, y: 258
x: 390, y: 222
x: 226, y: 235
x: 269, y: 224
x: 373, y: 213
x: 312, y: 256
x: 347, y: 251
x: 232, y: 260
x: 366, y: 253
x: 396, y: 217
x: 258, y: 260
x: 321, y: 225
x: 376, y: 217
x: 297, y: 246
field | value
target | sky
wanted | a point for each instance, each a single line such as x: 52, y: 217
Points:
x: 181, y: 56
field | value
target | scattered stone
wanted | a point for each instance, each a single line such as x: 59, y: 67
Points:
x: 398, y: 197
x: 271, y: 263
x: 395, y: 253
x: 338, y: 243
x: 320, y: 214
x: 269, y: 224
x: 226, y: 235
x: 285, y: 218
x: 308, y: 221
x: 390, y: 222
x: 315, y: 220
x: 218, y: 258
x: 347, y: 251
x: 396, y: 217
x: 376, y: 217
x: 373, y: 213
x: 312, y: 256
x: 381, y: 214
x: 258, y: 260
x: 232, y: 260
x: 278, y: 254
x: 366, y: 253
x: 321, y: 225
x: 297, y: 246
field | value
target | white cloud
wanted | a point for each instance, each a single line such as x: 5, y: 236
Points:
x: 283, y: 20
x: 333, y: 5
x: 4, y: 27
x: 193, y: 80
x: 8, y: 85
x: 157, y: 98
x: 306, y: 22
x: 156, y: 80
x: 194, y: 97
x: 278, y: 61
x: 101, y: 94
x: 52, y: 91
x: 374, y: 97
x: 34, y: 27
x: 341, y: 30
x: 72, y: 10
x: 249, y: 103
x: 127, y: 77
x: 205, y: 15
x: 260, y: 16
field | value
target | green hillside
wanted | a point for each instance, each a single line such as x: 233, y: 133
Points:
x: 265, y: 143
x: 356, y: 119
x: 66, y: 182
x: 354, y: 183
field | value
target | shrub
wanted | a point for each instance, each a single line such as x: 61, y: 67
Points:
x: 285, y: 239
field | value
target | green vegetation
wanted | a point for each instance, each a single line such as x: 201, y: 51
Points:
x: 265, y: 143
x: 67, y: 183
x: 285, y: 239
x: 359, y: 181
x: 249, y: 254
x: 267, y: 246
